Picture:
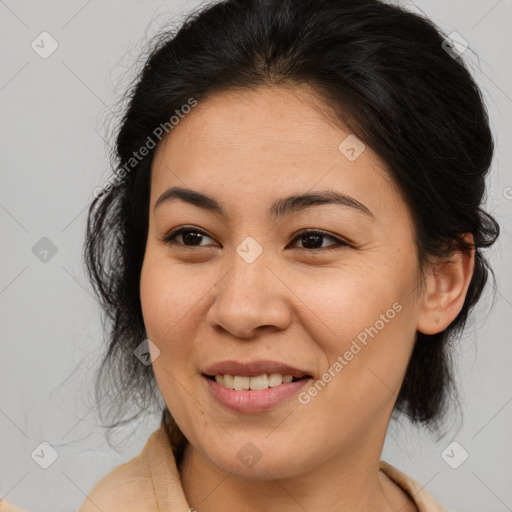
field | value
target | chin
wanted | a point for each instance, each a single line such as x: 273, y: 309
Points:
x: 258, y: 461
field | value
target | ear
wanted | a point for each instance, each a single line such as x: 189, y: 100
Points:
x: 445, y: 290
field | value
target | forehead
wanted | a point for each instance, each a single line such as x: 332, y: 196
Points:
x: 264, y: 143
x: 288, y: 120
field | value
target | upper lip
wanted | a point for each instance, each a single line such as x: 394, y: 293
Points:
x: 253, y: 368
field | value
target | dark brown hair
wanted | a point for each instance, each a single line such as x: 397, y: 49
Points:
x: 387, y: 71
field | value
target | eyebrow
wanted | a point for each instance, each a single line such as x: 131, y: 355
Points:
x: 280, y: 208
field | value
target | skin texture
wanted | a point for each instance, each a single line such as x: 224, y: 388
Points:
x: 204, y: 303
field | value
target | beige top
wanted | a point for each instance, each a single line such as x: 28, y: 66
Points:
x: 150, y: 482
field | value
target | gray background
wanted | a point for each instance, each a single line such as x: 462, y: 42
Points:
x: 53, y: 156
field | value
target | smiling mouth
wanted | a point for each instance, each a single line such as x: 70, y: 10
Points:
x: 253, y: 383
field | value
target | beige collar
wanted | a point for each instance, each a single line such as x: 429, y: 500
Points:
x: 151, y: 482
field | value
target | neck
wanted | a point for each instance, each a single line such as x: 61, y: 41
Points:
x: 345, y: 482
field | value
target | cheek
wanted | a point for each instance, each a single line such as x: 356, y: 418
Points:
x: 165, y: 301
x: 166, y: 296
x: 154, y: 294
x: 342, y: 303
x: 173, y: 298
x: 364, y: 325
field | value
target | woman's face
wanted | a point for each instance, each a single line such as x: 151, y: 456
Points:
x: 250, y: 289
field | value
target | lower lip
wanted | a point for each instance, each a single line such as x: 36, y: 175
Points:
x: 254, y: 400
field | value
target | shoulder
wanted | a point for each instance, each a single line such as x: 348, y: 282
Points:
x: 127, y: 488
x: 5, y: 506
x: 424, y: 501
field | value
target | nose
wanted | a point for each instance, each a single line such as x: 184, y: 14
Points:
x: 251, y: 299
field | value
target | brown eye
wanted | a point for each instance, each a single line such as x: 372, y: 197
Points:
x: 191, y: 237
x: 313, y: 240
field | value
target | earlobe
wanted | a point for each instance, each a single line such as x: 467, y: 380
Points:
x: 445, y: 290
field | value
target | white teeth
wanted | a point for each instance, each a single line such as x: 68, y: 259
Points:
x: 257, y: 382
x: 228, y: 381
x: 241, y: 382
x: 275, y: 379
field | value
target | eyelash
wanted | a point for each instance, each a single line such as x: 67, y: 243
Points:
x: 169, y: 238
